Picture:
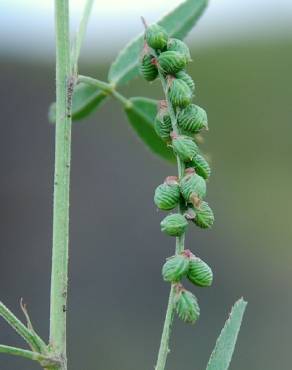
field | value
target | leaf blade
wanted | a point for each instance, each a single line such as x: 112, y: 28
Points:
x: 222, y: 354
x: 141, y: 113
x: 177, y: 23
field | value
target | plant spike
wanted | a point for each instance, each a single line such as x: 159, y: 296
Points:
x: 178, y: 89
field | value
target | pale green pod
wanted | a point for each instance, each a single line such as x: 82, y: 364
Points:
x: 175, y: 268
x: 180, y: 47
x: 171, y: 62
x: 201, y: 166
x: 182, y: 75
x: 147, y: 68
x: 156, y: 37
x: 204, y: 216
x: 186, y: 306
x: 162, y: 124
x: 192, y: 119
x: 167, y: 195
x: 184, y: 147
x: 174, y: 225
x: 179, y: 93
x: 199, y: 273
x: 192, y: 185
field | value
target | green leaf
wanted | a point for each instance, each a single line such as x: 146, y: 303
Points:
x: 221, y: 356
x: 177, y: 23
x: 86, y: 98
x: 141, y: 113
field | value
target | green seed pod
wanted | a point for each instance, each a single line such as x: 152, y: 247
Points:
x: 184, y: 147
x: 201, y: 166
x: 199, y: 272
x: 204, y: 216
x: 182, y: 75
x: 171, y: 62
x: 167, y: 195
x: 147, y: 68
x: 192, y: 186
x: 180, y: 94
x: 193, y: 119
x: 174, y: 225
x: 156, y: 37
x: 162, y: 122
x: 180, y: 47
x: 186, y: 306
x: 175, y: 268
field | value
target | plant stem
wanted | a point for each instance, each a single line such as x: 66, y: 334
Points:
x: 165, y: 337
x: 59, y: 277
x: 80, y: 36
x: 26, y: 354
x: 109, y: 89
x: 35, y: 342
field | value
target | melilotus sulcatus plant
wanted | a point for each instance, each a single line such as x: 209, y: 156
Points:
x: 170, y: 129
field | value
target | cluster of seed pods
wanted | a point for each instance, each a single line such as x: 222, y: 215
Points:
x: 167, y: 58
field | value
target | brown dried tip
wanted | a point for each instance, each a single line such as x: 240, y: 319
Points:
x: 171, y: 180
x: 144, y: 22
x: 195, y: 200
x: 189, y: 170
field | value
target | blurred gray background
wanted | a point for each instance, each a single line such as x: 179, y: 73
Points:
x: 242, y: 67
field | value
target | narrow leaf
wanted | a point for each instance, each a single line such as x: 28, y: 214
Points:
x: 177, y: 23
x: 221, y: 356
x: 141, y: 113
x: 86, y: 98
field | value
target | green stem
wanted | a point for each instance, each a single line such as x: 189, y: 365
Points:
x: 166, y: 332
x: 35, y: 342
x: 27, y: 354
x: 59, y: 276
x: 109, y: 89
x: 80, y: 36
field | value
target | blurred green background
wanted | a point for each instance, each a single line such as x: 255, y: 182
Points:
x: 117, y: 297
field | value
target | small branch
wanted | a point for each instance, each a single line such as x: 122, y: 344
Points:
x: 36, y: 343
x: 80, y: 36
x: 105, y: 87
x: 47, y: 361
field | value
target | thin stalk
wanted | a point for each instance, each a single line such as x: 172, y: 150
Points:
x: 59, y: 276
x: 166, y: 332
x: 35, y: 342
x: 80, y: 35
x: 14, y: 351
x: 109, y: 89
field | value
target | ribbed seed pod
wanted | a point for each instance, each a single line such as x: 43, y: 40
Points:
x: 167, y: 195
x: 200, y: 273
x: 184, y: 147
x: 162, y: 122
x: 201, y: 166
x: 156, y: 37
x: 192, y: 185
x: 180, y: 94
x: 180, y: 47
x: 186, y: 306
x: 204, y: 216
x: 171, y: 62
x: 193, y: 119
x: 174, y: 225
x: 182, y: 75
x: 147, y: 68
x: 175, y: 268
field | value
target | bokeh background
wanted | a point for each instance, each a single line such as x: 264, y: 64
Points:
x: 242, y: 55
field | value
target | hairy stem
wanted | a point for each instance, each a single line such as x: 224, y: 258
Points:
x: 107, y: 88
x: 59, y: 276
x: 166, y: 332
x: 35, y: 342
x: 26, y: 354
